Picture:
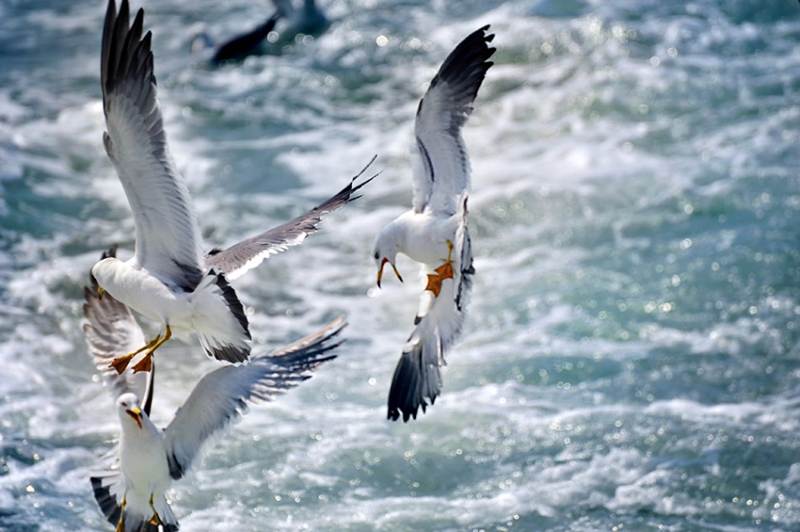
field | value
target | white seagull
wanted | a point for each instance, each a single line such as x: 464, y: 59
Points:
x: 131, y: 495
x: 434, y: 232
x: 169, y: 280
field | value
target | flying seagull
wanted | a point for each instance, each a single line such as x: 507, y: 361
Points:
x: 244, y: 45
x: 131, y: 495
x: 236, y: 48
x: 434, y: 232
x: 169, y: 280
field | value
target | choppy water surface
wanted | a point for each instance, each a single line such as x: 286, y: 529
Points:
x: 631, y: 361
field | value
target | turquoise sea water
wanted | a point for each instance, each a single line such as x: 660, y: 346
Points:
x: 632, y: 357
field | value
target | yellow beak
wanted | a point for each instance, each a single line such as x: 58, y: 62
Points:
x: 136, y: 414
x: 100, y: 292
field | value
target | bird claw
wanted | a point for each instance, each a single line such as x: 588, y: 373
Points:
x: 445, y: 271
x: 121, y: 522
x: 121, y: 363
x: 156, y: 519
x: 145, y: 364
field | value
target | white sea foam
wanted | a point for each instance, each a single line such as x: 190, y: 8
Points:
x: 631, y: 348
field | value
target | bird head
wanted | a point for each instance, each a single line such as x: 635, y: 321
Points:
x: 128, y: 405
x: 385, y: 250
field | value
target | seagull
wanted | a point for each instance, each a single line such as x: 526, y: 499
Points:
x: 236, y: 48
x: 169, y: 280
x: 434, y: 232
x: 131, y: 495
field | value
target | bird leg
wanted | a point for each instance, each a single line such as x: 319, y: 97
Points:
x: 120, y: 363
x: 146, y: 363
x: 445, y: 271
x: 121, y: 522
x: 156, y: 519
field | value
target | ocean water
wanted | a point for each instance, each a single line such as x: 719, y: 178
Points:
x: 631, y: 361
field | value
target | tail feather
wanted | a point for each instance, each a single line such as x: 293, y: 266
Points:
x: 416, y: 378
x: 106, y: 492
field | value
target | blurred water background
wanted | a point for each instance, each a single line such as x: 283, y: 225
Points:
x: 631, y: 360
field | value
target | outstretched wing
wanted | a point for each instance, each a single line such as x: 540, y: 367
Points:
x: 219, y: 398
x: 439, y: 324
x: 247, y: 254
x: 111, y: 331
x: 167, y: 233
x: 441, y: 164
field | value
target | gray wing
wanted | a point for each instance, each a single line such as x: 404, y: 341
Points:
x: 439, y: 324
x: 441, y: 164
x: 111, y: 331
x: 247, y: 254
x: 167, y: 233
x: 219, y: 398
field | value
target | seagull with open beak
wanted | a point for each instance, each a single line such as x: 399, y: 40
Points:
x: 434, y: 232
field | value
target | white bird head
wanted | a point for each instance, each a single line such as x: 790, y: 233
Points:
x: 128, y: 408
x: 385, y: 249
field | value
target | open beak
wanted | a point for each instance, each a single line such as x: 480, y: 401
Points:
x: 100, y: 292
x: 136, y: 414
x: 380, y: 271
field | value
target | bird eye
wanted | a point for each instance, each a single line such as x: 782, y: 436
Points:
x: 377, y: 255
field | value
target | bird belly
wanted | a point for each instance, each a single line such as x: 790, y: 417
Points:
x: 426, y: 240
x: 159, y: 303
x: 143, y: 292
x: 144, y: 464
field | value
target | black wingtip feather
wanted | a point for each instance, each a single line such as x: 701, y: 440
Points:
x: 347, y: 194
x: 465, y: 68
x: 105, y: 500
x: 126, y: 56
x: 233, y: 303
x: 228, y: 352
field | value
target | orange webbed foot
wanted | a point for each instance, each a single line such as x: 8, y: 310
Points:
x: 445, y: 271
x: 145, y: 364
